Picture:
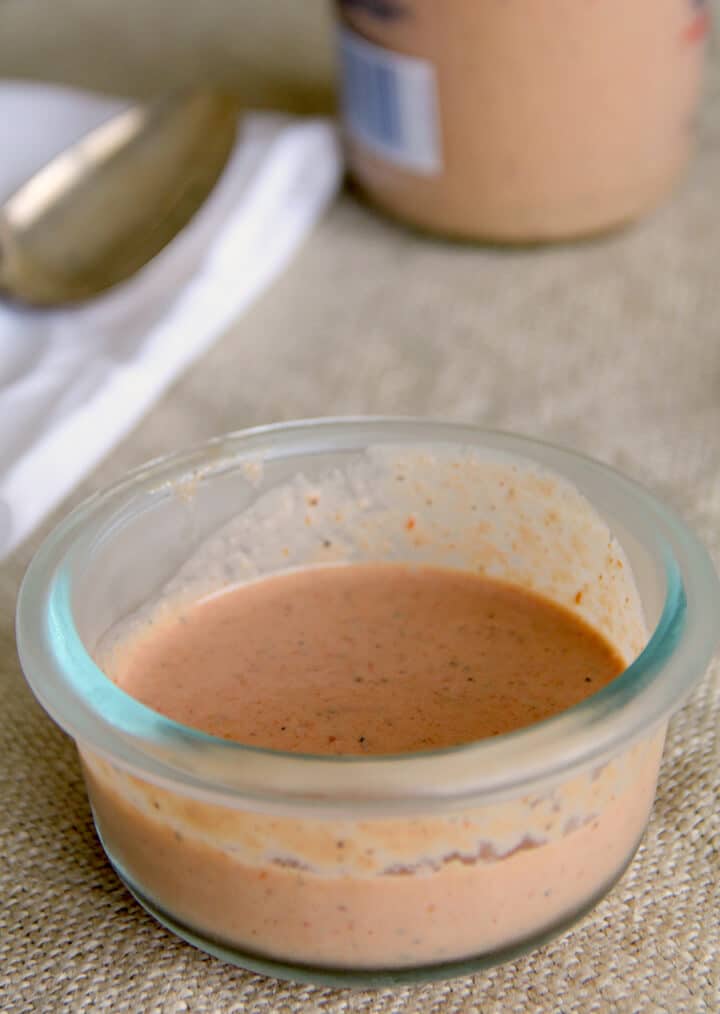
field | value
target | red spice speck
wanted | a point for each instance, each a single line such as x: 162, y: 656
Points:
x: 698, y: 28
x: 579, y: 597
x: 410, y: 523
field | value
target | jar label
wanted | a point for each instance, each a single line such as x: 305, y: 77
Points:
x: 389, y: 104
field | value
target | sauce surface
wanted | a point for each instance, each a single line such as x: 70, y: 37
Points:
x: 366, y: 659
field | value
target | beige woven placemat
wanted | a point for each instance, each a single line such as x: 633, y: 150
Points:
x: 612, y: 347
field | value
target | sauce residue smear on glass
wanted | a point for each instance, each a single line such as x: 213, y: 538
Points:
x: 366, y: 659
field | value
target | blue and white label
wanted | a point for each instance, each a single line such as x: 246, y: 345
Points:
x: 390, y: 104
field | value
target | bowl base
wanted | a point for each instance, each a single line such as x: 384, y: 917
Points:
x: 362, y: 977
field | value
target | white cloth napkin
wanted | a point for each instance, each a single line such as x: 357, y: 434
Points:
x: 73, y: 382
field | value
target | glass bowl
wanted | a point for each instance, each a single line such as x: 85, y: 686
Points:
x: 386, y: 869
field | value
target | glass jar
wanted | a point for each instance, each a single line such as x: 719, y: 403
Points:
x: 522, y: 121
x: 384, y: 869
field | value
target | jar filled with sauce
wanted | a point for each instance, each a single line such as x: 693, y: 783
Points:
x: 347, y: 694
x: 520, y: 121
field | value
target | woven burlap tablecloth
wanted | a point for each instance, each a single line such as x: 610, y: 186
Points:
x: 611, y: 347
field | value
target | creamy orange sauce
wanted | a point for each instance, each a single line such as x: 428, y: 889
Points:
x: 369, y: 659
x: 553, y: 118
x: 366, y: 659
x: 320, y: 862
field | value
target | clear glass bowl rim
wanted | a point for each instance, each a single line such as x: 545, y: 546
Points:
x: 100, y: 716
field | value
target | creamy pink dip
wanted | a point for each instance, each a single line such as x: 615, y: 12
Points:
x: 520, y: 120
x: 370, y: 659
x: 366, y: 659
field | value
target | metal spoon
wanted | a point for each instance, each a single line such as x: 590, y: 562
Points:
x: 103, y: 208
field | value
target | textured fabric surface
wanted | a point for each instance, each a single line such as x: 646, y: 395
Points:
x: 613, y: 348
